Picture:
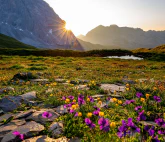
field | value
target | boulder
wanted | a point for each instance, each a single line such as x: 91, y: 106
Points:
x: 23, y: 114
x: 24, y: 76
x: 61, y: 110
x: 112, y: 88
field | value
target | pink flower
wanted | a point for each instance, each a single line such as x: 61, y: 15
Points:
x: 18, y: 134
x: 46, y: 115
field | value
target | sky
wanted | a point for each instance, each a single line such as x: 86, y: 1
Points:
x: 81, y: 16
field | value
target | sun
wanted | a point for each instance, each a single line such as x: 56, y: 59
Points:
x: 67, y: 27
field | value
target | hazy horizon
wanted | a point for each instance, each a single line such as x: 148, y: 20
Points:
x: 83, y: 15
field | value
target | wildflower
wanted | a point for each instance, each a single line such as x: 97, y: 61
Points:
x: 112, y: 124
x: 138, y: 108
x: 139, y: 95
x: 117, y: 105
x: 81, y: 100
x: 98, y: 99
x: 46, y: 114
x: 74, y: 107
x: 96, y: 112
x: 127, y: 102
x: 104, y: 124
x: 160, y: 122
x: 89, y: 123
x: 147, y: 96
x: 151, y: 131
x: 120, y: 102
x: 155, y: 88
x: 89, y: 114
x: 122, y: 130
x: 90, y: 99
x: 114, y: 100
x: 51, y: 95
x: 155, y: 139
x: 101, y: 114
x: 142, y: 100
x: 71, y: 110
x: 132, y: 126
x: 157, y: 99
x: 18, y: 134
x: 161, y: 132
x: 127, y: 89
x: 141, y: 116
x: 64, y: 98
x: 114, y: 91
x: 71, y: 97
x: 127, y: 85
x: 79, y: 114
x: 67, y: 100
x: 100, y: 102
x: 74, y: 101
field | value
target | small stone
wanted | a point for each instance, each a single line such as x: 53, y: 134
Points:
x: 46, y: 139
x: 150, y: 123
x: 59, y: 80
x: 112, y: 88
x: 81, y: 87
x: 37, y: 116
x: 57, y: 129
x: 29, y: 96
x: 39, y: 80
x: 74, y: 140
x: 61, y: 110
x: 7, y: 89
x: 24, y: 114
x: 28, y: 130
x: 99, y: 96
x: 5, y: 117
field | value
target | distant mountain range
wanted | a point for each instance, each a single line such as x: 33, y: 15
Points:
x: 35, y: 23
x: 124, y: 37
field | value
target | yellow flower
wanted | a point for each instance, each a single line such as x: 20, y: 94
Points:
x: 67, y: 100
x: 155, y: 88
x: 147, y: 96
x: 89, y: 114
x: 116, y: 104
x: 77, y: 105
x: 79, y: 114
x: 101, y: 114
x: 100, y: 102
x: 47, y: 84
x: 114, y: 100
x: 120, y: 102
x: 51, y: 95
x: 98, y: 99
x: 142, y: 100
x: 88, y: 99
x: 127, y: 85
x: 112, y: 124
x: 74, y: 107
x: 127, y: 89
x: 115, y: 92
x: 74, y: 101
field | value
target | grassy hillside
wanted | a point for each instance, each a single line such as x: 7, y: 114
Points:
x: 9, y: 42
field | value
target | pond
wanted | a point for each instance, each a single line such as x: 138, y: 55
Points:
x: 125, y: 57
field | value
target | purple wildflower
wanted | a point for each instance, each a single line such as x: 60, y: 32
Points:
x: 133, y: 127
x: 157, y: 99
x: 139, y: 95
x: 160, y: 122
x: 81, y: 100
x: 141, y: 116
x: 64, y: 98
x: 127, y: 102
x: 146, y: 128
x: 91, y: 99
x: 46, y: 114
x: 76, y: 114
x: 96, y: 112
x: 89, y: 123
x: 155, y: 139
x: 138, y: 108
x: 151, y: 131
x: 104, y: 124
x: 71, y: 97
x: 122, y: 130
x: 71, y: 111
x: 18, y: 134
x: 161, y: 132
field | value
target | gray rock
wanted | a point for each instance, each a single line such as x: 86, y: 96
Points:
x: 23, y: 76
x: 150, y: 123
x: 46, y: 139
x: 99, y: 96
x: 37, y: 116
x: 81, y: 87
x: 128, y: 81
x: 11, y: 103
x: 39, y: 81
x: 24, y: 114
x: 7, y: 89
x: 61, y: 110
x: 5, y: 117
x: 74, y: 140
x: 57, y: 129
x: 112, y: 88
x: 29, y: 130
x: 59, y: 80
